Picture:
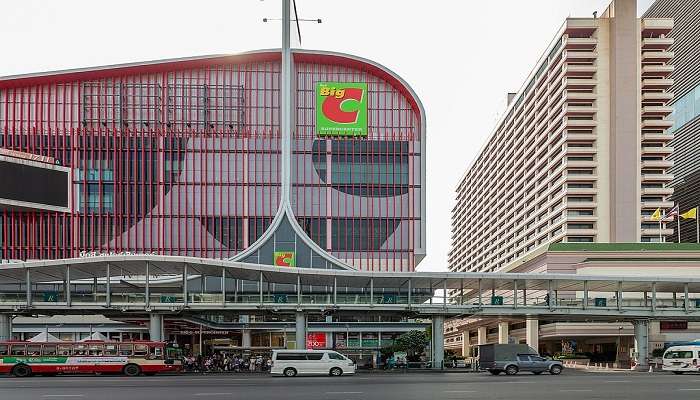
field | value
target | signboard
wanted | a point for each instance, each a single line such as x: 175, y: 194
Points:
x: 168, y: 299
x: 496, y: 300
x: 285, y: 259
x: 601, y: 302
x: 280, y: 298
x: 316, y: 340
x: 387, y: 299
x: 50, y: 297
x: 673, y: 325
x: 341, y: 109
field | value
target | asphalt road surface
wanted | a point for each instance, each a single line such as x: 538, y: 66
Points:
x: 571, y: 385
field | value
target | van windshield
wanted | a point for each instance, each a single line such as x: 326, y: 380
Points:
x: 678, y: 354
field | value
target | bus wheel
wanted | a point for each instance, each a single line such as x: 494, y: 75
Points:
x: 290, y: 372
x: 132, y: 370
x: 21, y: 371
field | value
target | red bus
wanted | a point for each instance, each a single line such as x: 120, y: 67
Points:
x: 23, y: 359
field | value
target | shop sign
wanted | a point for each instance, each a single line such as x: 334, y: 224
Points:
x: 388, y: 299
x: 168, y: 299
x: 316, y: 340
x: 50, y: 297
x: 280, y: 298
x: 496, y: 300
x: 285, y: 259
x: 673, y: 325
x: 341, y: 109
x: 601, y: 302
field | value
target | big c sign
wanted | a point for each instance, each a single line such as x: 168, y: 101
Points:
x: 341, y: 109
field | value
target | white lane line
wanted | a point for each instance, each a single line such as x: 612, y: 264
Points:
x: 618, y: 381
x: 459, y: 391
x: 63, y: 395
x: 689, y: 390
x: 344, y: 392
x: 213, y: 394
x: 576, y: 390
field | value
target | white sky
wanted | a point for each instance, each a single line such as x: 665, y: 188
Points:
x: 461, y: 57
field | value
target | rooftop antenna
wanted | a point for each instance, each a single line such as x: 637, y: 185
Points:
x: 296, y: 20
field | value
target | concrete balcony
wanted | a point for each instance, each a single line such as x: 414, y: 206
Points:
x: 580, y: 178
x: 656, y: 83
x: 568, y: 95
x: 570, y: 43
x: 656, y: 43
x: 579, y: 70
x: 579, y: 56
x: 657, y: 177
x: 657, y: 123
x: 657, y: 164
x: 577, y: 191
x: 657, y: 137
x: 579, y: 83
x: 589, y: 137
x: 657, y: 96
x: 653, y: 205
x: 655, y: 232
x: 580, y: 123
x: 658, y: 191
x: 657, y: 150
x: 657, y: 110
x: 581, y: 150
x: 580, y: 232
x: 581, y: 218
x: 579, y: 110
x: 657, y: 70
x: 657, y: 25
x: 657, y: 56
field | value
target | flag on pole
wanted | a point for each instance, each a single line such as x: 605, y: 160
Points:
x: 690, y: 214
x: 674, y: 211
x: 656, y: 216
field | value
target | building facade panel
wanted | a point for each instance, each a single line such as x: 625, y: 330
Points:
x: 184, y: 158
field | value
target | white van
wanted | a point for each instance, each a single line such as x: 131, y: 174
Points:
x: 310, y: 362
x: 680, y: 359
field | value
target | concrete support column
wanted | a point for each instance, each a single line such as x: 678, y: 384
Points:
x: 641, y: 343
x: 155, y: 327
x: 481, y: 335
x: 465, y: 344
x: 5, y: 326
x: 301, y: 330
x: 438, y: 344
x: 246, y: 341
x: 532, y: 333
x: 503, y: 332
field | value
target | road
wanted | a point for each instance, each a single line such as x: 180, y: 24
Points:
x: 571, y: 385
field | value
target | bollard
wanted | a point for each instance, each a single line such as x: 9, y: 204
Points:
x: 651, y: 368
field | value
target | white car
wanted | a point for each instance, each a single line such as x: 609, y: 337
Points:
x: 680, y: 359
x: 310, y: 362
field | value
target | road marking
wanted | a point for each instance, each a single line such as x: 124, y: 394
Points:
x: 576, y: 390
x: 618, y: 381
x: 63, y: 395
x: 213, y: 394
x: 344, y: 392
x: 689, y: 390
x: 459, y: 391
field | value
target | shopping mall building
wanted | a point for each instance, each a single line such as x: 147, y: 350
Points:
x: 581, y: 158
x: 190, y: 157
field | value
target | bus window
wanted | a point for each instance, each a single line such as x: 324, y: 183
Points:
x: 34, y: 350
x: 18, y: 350
x: 3, y: 350
x: 95, y: 350
x: 48, y: 350
x: 140, y: 350
x: 64, y: 349
x: 126, y: 349
x: 80, y: 350
x: 156, y: 353
x: 110, y: 350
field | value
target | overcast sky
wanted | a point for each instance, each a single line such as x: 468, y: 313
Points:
x: 461, y: 57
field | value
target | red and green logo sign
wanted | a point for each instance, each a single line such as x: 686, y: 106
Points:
x: 285, y: 259
x: 341, y: 109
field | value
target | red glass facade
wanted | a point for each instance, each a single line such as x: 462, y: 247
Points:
x: 183, y: 158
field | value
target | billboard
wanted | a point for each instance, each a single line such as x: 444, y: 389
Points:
x: 285, y: 259
x: 341, y: 109
x: 31, y: 185
x: 316, y: 340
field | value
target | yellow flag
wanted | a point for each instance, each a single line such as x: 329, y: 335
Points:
x: 690, y: 214
x: 656, y: 215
